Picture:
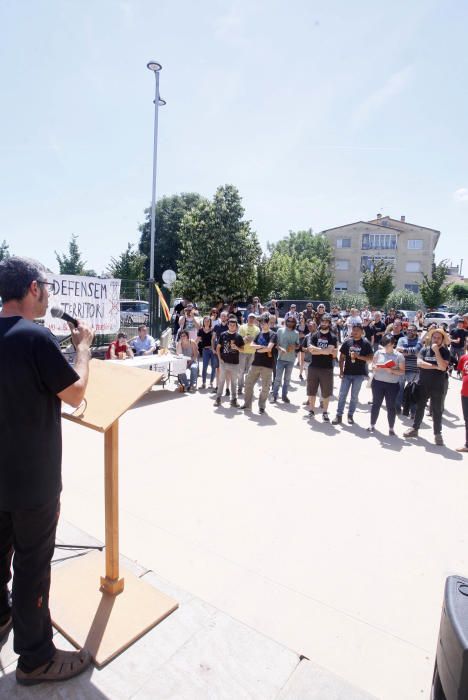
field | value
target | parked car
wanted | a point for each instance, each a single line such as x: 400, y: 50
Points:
x: 408, y: 314
x: 442, y: 318
x: 133, y: 312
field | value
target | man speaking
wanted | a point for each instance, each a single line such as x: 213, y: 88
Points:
x: 34, y: 379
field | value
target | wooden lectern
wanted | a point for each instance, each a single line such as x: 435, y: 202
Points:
x: 105, y: 614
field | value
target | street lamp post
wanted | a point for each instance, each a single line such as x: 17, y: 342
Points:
x: 158, y: 102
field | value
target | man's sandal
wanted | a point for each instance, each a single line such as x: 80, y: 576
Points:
x: 62, y: 666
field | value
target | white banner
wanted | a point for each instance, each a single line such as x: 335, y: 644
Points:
x: 90, y: 299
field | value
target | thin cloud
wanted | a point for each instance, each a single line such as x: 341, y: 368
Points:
x: 461, y: 195
x: 380, y: 97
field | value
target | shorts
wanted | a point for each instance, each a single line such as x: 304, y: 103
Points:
x: 320, y: 377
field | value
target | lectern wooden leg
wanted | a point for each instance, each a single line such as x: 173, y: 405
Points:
x: 110, y: 583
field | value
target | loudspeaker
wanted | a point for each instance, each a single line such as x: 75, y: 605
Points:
x: 450, y: 680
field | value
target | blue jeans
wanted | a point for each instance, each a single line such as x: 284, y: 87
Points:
x: 354, y: 382
x: 184, y: 380
x: 208, y: 359
x: 286, y: 368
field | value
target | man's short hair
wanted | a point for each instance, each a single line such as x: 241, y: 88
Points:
x: 142, y: 326
x: 16, y: 275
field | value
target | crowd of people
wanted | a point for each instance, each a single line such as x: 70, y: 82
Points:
x: 407, y: 366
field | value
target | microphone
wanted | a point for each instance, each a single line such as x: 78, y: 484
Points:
x: 58, y: 312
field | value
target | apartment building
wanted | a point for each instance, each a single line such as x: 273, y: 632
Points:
x: 408, y: 247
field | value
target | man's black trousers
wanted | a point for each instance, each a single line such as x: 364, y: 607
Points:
x: 29, y: 536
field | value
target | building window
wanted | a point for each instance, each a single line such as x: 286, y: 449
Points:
x: 415, y: 244
x: 412, y: 288
x: 341, y: 264
x: 413, y: 267
x: 341, y: 286
x: 379, y: 241
x: 367, y: 261
x: 343, y: 242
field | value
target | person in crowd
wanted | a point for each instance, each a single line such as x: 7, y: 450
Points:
x: 292, y: 313
x: 365, y: 314
x: 189, y: 348
x: 388, y: 366
x: 229, y: 344
x: 322, y: 346
x: 396, y: 331
x: 189, y: 322
x: 178, y: 310
x: 262, y: 365
x: 214, y: 315
x: 352, y: 320
x: 287, y: 343
x: 462, y: 368
x: 34, y: 380
x: 143, y: 343
x: 409, y: 346
x: 337, y: 322
x: 379, y: 329
x: 309, y: 311
x: 419, y: 320
x: 119, y: 349
x: 355, y: 354
x: 432, y: 361
x: 221, y: 326
x: 256, y: 305
x: 302, y: 330
x: 319, y: 313
x: 390, y: 317
x: 205, y: 348
x: 457, y: 340
x: 235, y: 311
x: 248, y: 331
x: 273, y: 309
x: 368, y: 330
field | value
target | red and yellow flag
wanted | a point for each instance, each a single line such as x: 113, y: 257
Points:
x: 165, y: 308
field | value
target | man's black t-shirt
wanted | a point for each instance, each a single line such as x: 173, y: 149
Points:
x: 396, y: 337
x: 32, y: 372
x: 431, y: 376
x: 264, y: 359
x: 368, y: 332
x: 378, y: 328
x: 229, y: 355
x: 359, y: 347
x: 322, y: 341
x: 458, y: 333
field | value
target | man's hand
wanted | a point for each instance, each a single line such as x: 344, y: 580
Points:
x: 82, y: 337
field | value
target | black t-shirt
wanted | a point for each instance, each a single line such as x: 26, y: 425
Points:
x: 218, y: 329
x: 368, y: 332
x: 205, y: 337
x: 458, y: 333
x: 229, y: 355
x: 32, y: 372
x: 429, y: 376
x: 264, y: 359
x: 396, y: 338
x: 378, y: 328
x: 360, y: 347
x: 322, y: 341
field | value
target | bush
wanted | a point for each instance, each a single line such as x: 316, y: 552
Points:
x: 345, y: 300
x: 404, y: 299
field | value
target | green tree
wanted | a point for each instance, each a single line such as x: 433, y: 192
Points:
x: 130, y: 265
x: 4, y: 250
x: 433, y: 288
x: 458, y: 291
x: 377, y: 282
x: 73, y: 264
x: 169, y: 214
x: 219, y: 252
x: 404, y: 299
x: 346, y: 300
x: 304, y: 244
x: 321, y: 280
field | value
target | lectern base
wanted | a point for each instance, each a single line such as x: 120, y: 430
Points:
x: 104, y: 624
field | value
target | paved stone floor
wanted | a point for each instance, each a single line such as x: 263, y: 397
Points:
x: 328, y: 541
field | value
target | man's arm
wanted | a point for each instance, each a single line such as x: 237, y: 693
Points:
x: 82, y: 337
